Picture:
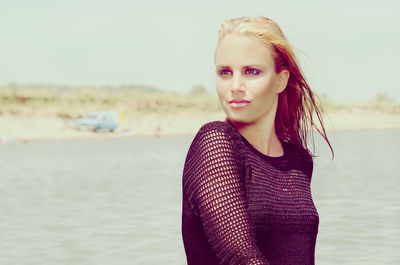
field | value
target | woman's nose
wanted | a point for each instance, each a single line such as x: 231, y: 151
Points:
x: 237, y: 83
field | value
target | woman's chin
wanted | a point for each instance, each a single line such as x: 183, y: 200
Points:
x: 239, y: 119
x: 237, y: 116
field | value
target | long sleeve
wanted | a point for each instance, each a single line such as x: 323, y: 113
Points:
x: 214, y: 185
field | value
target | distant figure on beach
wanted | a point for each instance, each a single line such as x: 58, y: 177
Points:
x: 246, y: 180
x: 157, y: 130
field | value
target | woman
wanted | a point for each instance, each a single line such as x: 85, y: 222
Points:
x: 246, y: 181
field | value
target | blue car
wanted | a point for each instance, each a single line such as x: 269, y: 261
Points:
x: 98, y: 120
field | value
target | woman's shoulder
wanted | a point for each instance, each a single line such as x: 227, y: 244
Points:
x: 216, y: 125
x: 221, y: 128
x: 215, y: 132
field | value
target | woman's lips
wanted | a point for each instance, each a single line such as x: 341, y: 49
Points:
x: 239, y: 103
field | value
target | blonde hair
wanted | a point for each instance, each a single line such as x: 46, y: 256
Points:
x: 297, y: 103
x: 260, y: 27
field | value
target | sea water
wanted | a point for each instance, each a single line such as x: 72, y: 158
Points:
x: 118, y: 201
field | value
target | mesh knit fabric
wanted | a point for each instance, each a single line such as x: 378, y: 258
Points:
x: 243, y: 207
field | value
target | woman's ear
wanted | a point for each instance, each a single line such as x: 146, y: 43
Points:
x: 283, y: 78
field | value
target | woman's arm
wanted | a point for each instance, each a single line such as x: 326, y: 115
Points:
x: 215, y: 188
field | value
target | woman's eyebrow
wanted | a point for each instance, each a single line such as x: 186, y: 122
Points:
x: 247, y: 65
x: 254, y: 65
x: 222, y: 66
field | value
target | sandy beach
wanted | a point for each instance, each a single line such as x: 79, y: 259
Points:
x: 48, y: 113
x: 51, y: 127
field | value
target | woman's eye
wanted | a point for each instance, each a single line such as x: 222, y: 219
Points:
x: 252, y: 71
x: 224, y: 72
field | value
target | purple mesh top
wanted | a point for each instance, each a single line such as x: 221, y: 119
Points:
x: 243, y: 207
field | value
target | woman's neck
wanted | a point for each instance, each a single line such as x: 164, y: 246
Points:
x: 261, y: 136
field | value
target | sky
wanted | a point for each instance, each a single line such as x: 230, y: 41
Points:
x: 349, y: 49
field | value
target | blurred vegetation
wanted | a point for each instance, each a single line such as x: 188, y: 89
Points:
x: 198, y: 90
x: 381, y: 102
x: 73, y: 102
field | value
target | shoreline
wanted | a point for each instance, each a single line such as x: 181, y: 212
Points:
x: 35, y: 113
x: 34, y: 128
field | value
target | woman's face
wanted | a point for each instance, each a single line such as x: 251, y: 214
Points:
x: 246, y: 82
